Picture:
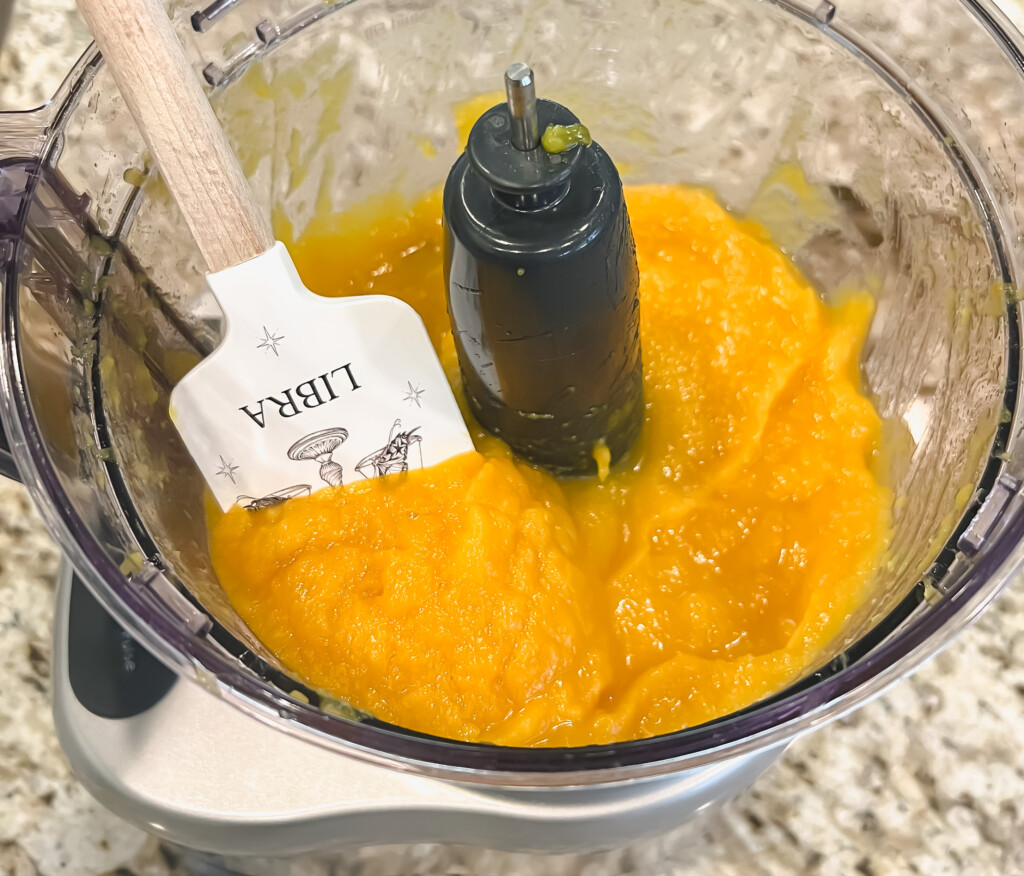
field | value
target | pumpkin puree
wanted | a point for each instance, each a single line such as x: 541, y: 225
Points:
x: 483, y: 600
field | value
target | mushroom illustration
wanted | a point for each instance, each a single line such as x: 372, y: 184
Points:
x: 319, y: 446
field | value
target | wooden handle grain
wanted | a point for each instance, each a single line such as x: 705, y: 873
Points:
x: 169, y: 105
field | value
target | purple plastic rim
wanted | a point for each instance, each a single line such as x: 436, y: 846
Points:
x: 757, y: 728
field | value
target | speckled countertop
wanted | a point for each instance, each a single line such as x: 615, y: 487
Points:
x: 928, y: 779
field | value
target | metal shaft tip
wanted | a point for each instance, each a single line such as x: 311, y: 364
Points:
x: 522, y: 107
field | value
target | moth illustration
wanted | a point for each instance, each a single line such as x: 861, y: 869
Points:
x: 275, y: 498
x: 393, y: 457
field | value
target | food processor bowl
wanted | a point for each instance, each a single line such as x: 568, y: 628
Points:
x: 875, y: 159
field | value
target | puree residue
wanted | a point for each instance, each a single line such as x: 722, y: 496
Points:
x: 483, y: 600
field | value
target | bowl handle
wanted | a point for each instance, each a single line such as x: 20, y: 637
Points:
x: 20, y: 175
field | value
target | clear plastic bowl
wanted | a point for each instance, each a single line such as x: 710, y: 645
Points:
x: 878, y: 158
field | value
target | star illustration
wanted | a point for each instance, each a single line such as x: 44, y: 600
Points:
x: 413, y: 395
x: 270, y: 341
x: 227, y: 470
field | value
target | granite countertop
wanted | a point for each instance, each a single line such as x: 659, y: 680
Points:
x: 928, y: 779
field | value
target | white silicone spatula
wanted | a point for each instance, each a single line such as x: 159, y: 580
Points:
x: 303, y: 392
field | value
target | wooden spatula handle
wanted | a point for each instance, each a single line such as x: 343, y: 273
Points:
x: 169, y: 105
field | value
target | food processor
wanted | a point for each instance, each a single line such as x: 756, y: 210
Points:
x: 872, y: 154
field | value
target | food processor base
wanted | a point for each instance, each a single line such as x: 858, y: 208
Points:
x: 171, y: 758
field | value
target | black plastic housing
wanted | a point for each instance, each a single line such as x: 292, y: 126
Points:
x: 542, y: 282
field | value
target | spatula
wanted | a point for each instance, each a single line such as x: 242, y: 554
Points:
x: 304, y: 392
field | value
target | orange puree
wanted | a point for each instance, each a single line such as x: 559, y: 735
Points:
x: 484, y: 600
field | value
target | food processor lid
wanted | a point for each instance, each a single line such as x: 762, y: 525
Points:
x: 974, y: 565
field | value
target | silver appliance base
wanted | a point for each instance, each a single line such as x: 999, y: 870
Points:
x: 199, y: 774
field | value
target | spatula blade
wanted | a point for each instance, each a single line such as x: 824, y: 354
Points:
x: 306, y: 392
